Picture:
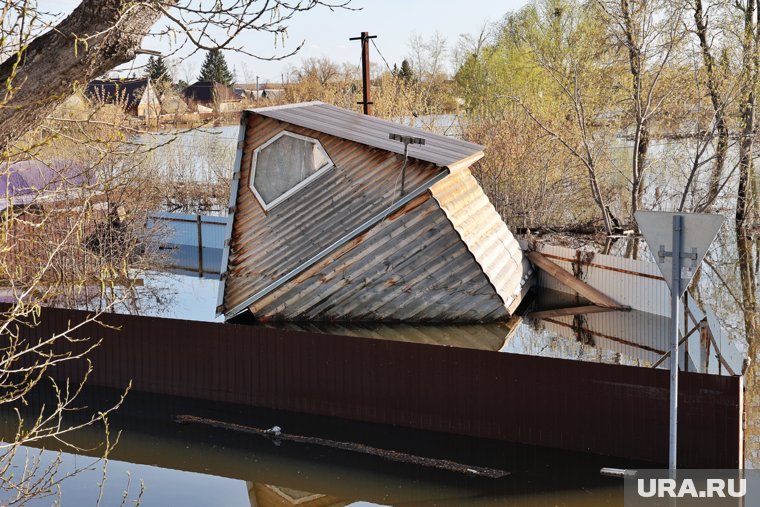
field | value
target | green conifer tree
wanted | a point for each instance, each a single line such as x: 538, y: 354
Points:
x: 406, y: 73
x: 215, y: 69
x: 157, y: 70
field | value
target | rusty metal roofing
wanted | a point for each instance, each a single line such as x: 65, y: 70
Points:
x: 413, y: 266
x: 370, y: 131
x: 267, y: 245
x: 486, y: 235
x: 342, y: 248
x: 449, y: 258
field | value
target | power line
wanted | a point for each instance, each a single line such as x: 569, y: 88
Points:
x: 381, y: 56
x: 403, y: 88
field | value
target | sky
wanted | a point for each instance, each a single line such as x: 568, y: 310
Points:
x: 326, y: 33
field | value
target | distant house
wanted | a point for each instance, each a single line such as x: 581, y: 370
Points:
x: 263, y: 91
x: 137, y: 96
x: 324, y: 228
x: 214, y: 96
x: 32, y: 182
x: 172, y: 103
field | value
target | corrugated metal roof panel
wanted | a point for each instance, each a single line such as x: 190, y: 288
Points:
x: 267, y: 245
x: 371, y: 131
x: 486, y: 235
x: 413, y: 267
x: 330, y: 252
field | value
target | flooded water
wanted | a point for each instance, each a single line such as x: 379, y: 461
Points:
x: 163, y: 463
x: 160, y: 462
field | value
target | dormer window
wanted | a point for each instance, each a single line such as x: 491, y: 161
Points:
x: 285, y: 164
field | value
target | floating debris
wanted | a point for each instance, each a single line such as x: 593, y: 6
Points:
x: 400, y: 457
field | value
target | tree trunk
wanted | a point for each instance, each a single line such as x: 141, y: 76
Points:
x: 747, y: 113
x: 719, y: 108
x: 42, y: 76
x: 641, y: 137
x: 747, y: 276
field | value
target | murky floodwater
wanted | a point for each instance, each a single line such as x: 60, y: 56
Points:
x: 161, y: 462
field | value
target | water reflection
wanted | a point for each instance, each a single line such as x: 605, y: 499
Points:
x: 631, y: 338
x: 493, y: 336
x: 195, y: 465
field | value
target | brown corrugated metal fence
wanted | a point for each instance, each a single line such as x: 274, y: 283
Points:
x: 605, y: 409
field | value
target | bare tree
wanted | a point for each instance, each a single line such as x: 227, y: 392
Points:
x: 99, y: 35
x: 472, y: 45
x: 649, y: 33
x: 715, y: 83
x: 78, y: 240
x: 321, y: 70
x: 750, y: 63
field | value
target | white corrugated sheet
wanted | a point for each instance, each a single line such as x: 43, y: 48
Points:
x: 642, y: 333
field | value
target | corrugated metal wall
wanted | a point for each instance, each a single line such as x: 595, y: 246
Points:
x: 486, y: 235
x: 316, y: 216
x: 630, y: 282
x: 640, y: 285
x: 599, y: 408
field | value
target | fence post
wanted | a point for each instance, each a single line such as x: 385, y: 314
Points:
x: 200, y: 246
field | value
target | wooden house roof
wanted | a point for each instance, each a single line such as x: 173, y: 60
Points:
x: 350, y: 247
x: 118, y: 91
x: 209, y: 91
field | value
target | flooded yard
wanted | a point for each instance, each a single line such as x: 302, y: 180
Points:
x: 159, y: 462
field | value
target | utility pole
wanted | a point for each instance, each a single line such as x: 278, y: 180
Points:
x: 366, y: 82
x: 257, y: 88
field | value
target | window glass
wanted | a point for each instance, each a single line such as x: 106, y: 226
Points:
x: 285, y: 163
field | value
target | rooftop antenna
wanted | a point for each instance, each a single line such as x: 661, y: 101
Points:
x: 407, y: 140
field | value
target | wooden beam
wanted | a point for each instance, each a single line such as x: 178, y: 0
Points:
x: 595, y: 296
x: 570, y: 310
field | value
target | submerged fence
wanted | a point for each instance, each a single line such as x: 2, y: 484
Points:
x: 605, y: 409
x: 195, y: 242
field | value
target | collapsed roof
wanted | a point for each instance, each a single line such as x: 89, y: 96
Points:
x: 322, y: 231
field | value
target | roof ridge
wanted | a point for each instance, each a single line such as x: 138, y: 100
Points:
x: 439, y: 149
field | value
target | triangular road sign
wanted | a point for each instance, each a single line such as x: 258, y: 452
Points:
x: 698, y: 230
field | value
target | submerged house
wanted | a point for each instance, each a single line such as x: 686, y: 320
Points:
x: 138, y: 97
x: 208, y: 96
x: 330, y: 224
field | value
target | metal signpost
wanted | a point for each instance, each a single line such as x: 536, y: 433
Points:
x: 685, y: 238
